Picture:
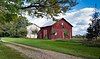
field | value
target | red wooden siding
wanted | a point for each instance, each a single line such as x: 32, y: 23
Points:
x: 59, y: 28
x: 44, y: 32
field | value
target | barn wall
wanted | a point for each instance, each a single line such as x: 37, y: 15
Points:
x: 58, y: 27
x: 46, y: 32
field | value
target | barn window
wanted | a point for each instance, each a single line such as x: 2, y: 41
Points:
x: 62, y: 24
x: 56, y: 33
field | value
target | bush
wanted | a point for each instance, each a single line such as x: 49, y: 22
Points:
x: 93, y: 43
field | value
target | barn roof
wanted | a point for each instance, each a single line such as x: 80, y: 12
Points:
x: 66, y: 21
x: 45, y: 23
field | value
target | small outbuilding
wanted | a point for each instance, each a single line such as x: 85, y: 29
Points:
x: 60, y: 29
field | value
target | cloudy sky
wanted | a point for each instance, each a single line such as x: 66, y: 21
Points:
x: 79, y: 16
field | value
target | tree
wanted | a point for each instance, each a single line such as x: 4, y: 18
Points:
x: 94, y: 28
x: 8, y: 11
x: 35, y: 7
x: 16, y: 28
x: 49, y: 7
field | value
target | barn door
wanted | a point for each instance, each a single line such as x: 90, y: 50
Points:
x: 45, y: 34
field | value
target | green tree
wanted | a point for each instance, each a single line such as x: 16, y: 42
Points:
x: 8, y: 11
x: 35, y: 7
x: 16, y: 28
x: 49, y: 7
x: 94, y: 28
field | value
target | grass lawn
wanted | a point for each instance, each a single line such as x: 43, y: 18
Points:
x: 8, y: 53
x: 67, y: 47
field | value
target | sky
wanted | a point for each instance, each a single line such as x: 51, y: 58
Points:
x: 79, y: 16
x: 87, y: 3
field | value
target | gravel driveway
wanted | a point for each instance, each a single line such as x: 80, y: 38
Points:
x: 36, y: 53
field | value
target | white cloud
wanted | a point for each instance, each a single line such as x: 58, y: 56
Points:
x: 79, y: 19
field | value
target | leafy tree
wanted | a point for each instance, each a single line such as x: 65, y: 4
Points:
x: 49, y: 7
x: 8, y: 11
x: 93, y: 34
x: 35, y: 7
x: 16, y: 28
x: 94, y: 28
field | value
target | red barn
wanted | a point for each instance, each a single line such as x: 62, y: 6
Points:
x: 60, y: 29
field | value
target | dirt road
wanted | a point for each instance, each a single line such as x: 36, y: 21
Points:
x: 36, y: 53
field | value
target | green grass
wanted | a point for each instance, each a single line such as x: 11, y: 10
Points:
x: 68, y: 47
x: 8, y: 53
